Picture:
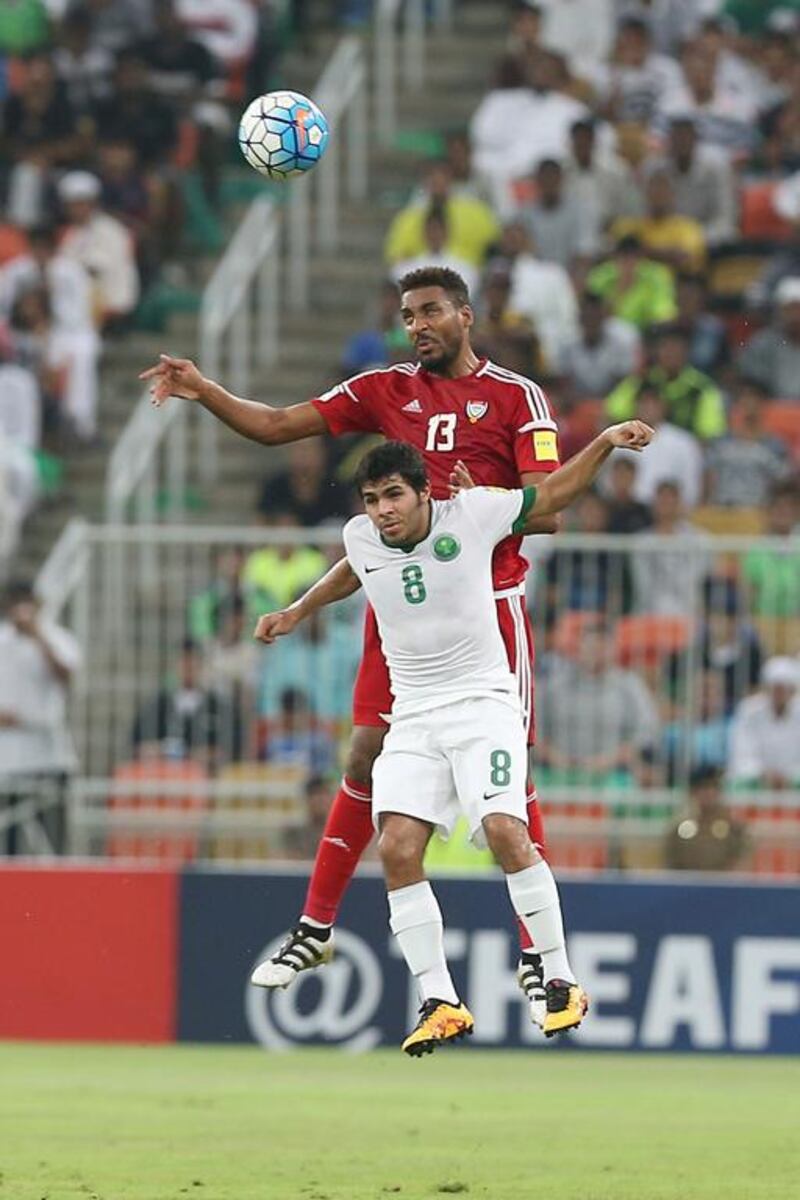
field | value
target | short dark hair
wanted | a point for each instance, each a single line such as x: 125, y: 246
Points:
x: 444, y: 277
x: 702, y: 774
x: 18, y: 591
x: 634, y: 24
x: 392, y: 458
x: 43, y: 231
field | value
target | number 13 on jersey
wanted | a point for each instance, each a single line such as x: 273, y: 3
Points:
x: 442, y: 432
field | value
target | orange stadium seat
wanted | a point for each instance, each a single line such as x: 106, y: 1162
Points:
x: 760, y: 222
x: 644, y: 640
x: 568, y: 631
x: 782, y: 418
x: 280, y: 791
x: 177, y: 847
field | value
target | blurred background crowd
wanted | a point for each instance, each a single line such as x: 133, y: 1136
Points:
x: 624, y: 204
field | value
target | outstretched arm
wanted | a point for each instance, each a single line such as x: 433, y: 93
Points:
x: 461, y: 480
x: 336, y: 584
x: 568, y: 482
x: 271, y: 426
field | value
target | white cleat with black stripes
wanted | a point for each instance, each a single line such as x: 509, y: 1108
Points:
x: 306, y: 947
x: 530, y: 978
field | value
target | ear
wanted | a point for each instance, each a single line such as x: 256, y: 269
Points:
x: 467, y: 316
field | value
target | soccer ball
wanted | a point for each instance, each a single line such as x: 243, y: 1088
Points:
x: 283, y: 134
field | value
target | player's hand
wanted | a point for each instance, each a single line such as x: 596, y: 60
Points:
x: 632, y: 435
x: 460, y: 479
x: 173, y: 377
x: 274, y: 625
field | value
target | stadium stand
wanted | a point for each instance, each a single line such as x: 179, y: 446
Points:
x: 681, y: 139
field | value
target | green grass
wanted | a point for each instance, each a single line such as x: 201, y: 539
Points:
x: 228, y: 1123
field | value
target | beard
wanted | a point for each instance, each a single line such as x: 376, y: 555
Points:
x: 440, y: 360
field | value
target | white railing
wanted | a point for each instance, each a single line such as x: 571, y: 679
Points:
x: 242, y: 304
x: 269, y: 258
x: 134, y: 598
x: 399, y: 46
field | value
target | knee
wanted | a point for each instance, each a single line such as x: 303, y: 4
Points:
x: 365, y: 746
x: 508, y: 841
x: 398, y: 855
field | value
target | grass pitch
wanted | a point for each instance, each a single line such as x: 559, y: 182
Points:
x: 226, y: 1123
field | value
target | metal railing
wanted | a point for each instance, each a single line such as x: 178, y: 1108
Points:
x: 627, y: 702
x: 270, y: 257
x: 399, y: 54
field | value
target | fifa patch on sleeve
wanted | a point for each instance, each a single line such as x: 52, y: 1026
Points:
x: 544, y: 445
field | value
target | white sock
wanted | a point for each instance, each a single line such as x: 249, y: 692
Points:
x: 415, y: 920
x: 313, y: 922
x: 534, y: 896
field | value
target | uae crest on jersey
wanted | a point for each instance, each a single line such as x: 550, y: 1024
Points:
x: 477, y: 409
x: 446, y: 547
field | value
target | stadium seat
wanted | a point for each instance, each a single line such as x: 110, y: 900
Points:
x: 279, y: 799
x: 171, y: 847
x: 778, y: 635
x: 643, y: 641
x: 729, y: 522
x: 782, y: 418
x: 568, y: 631
x: 732, y: 275
x: 759, y: 220
x: 579, y: 837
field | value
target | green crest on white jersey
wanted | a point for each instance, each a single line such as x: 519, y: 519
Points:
x: 446, y: 547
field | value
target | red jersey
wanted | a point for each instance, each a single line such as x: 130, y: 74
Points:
x: 498, y: 422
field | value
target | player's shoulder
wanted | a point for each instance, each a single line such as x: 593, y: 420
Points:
x: 380, y: 379
x: 356, y: 528
x: 513, y: 387
x: 475, y: 499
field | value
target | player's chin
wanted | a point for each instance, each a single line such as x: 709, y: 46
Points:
x: 430, y: 355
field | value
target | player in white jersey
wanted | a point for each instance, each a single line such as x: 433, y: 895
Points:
x: 457, y: 741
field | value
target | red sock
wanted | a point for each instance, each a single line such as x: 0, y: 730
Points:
x: 536, y: 834
x: 346, y: 836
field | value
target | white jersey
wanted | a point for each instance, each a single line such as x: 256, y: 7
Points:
x: 434, y: 603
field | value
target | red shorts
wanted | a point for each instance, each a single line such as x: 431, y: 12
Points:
x: 372, y: 694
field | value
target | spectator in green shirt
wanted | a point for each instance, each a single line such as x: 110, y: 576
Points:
x: 24, y: 26
x: 636, y: 289
x: 471, y: 224
x: 692, y: 399
x: 774, y: 574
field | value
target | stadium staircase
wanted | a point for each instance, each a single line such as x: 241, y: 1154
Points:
x: 342, y: 287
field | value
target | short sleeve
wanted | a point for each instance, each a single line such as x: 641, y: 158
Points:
x: 535, y: 432
x: 350, y: 406
x: 352, y: 535
x: 496, y: 512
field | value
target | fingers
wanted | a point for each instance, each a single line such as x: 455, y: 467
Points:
x: 164, y: 365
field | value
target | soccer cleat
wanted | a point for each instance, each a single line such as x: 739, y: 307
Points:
x: 439, y: 1022
x: 567, y: 1005
x: 530, y: 977
x: 306, y: 947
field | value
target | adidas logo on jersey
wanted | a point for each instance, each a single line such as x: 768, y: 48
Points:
x: 412, y: 406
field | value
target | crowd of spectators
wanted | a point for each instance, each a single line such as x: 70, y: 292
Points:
x: 625, y: 208
x: 116, y: 121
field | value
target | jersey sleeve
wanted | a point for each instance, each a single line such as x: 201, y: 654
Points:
x: 353, y: 406
x: 535, y: 431
x: 351, y: 542
x: 497, y: 513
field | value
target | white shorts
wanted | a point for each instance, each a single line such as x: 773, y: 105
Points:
x: 468, y: 757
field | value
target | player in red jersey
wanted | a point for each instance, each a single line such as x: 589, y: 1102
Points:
x: 452, y: 406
